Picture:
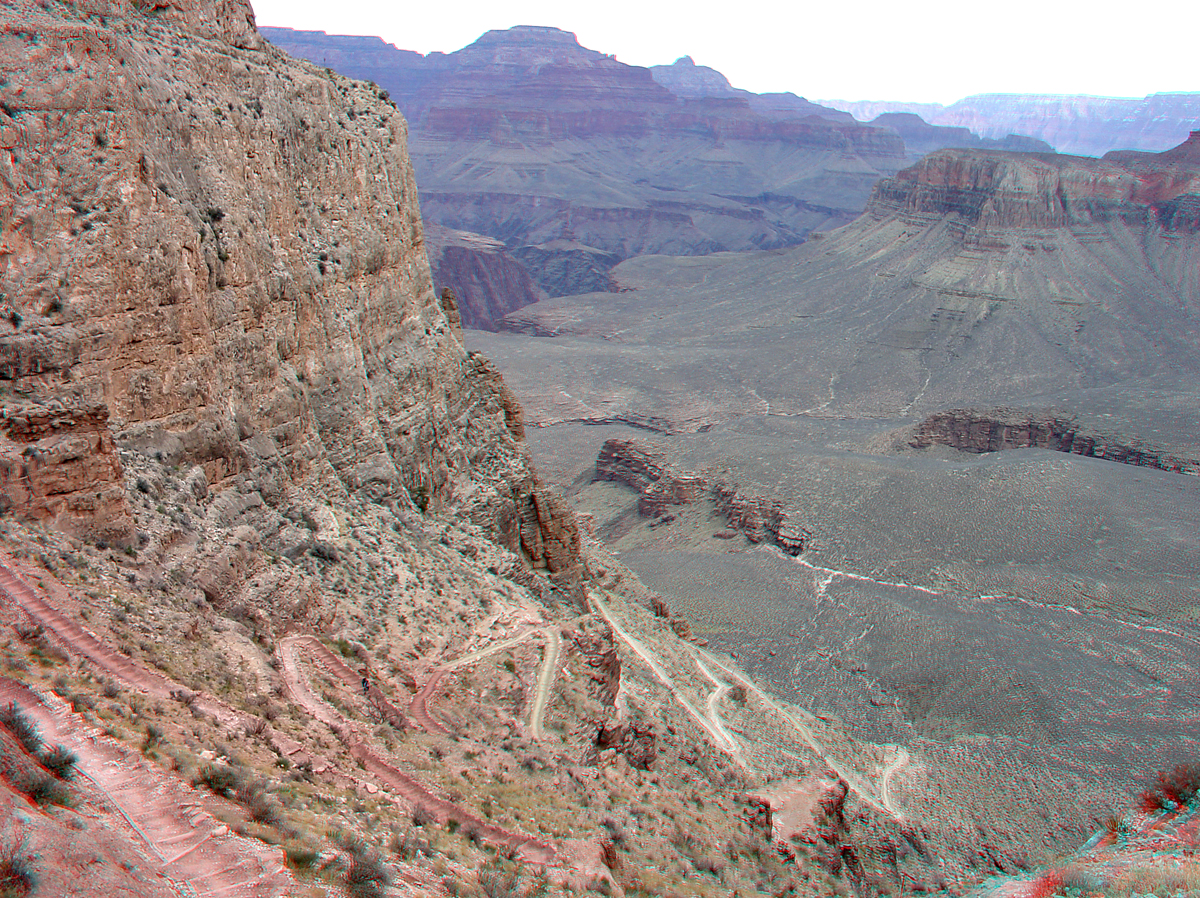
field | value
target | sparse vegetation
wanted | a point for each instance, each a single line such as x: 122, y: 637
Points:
x: 368, y: 876
x: 13, y: 719
x: 17, y: 878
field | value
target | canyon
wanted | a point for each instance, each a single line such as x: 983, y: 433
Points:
x: 977, y: 400
x: 747, y: 572
x: 577, y: 161
x: 278, y: 570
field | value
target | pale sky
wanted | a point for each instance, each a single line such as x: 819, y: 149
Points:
x: 926, y: 51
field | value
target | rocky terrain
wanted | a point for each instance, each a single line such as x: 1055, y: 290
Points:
x: 488, y: 282
x: 576, y: 161
x: 1080, y: 125
x: 285, y: 608
x: 978, y: 400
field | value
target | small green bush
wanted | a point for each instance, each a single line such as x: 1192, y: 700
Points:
x: 16, y: 870
x: 43, y: 788
x: 221, y: 779
x: 60, y: 761
x: 13, y: 719
x: 368, y: 876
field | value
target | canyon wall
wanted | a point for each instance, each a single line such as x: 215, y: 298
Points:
x: 219, y: 250
x: 1081, y: 125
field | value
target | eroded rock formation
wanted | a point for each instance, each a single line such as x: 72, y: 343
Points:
x: 487, y: 281
x: 1007, y: 191
x: 59, y: 467
x: 661, y: 486
x: 219, y: 249
x: 994, y: 430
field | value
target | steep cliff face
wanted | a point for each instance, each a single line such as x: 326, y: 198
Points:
x: 488, y: 282
x: 221, y: 247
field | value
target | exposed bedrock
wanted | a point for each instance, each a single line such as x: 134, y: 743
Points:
x: 488, y: 282
x: 219, y: 250
x: 994, y: 430
x: 996, y: 190
x: 661, y: 486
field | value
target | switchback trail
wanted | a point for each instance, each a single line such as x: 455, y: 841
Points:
x: 405, y: 787
x: 82, y: 642
x: 418, y: 709
x: 879, y: 796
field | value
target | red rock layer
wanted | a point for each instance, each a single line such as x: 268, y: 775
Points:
x: 998, y: 190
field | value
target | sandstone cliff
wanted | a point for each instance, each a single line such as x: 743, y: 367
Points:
x: 220, y: 249
x: 1005, y: 191
x: 488, y: 282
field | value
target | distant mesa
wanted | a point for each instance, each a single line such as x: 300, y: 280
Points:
x: 1079, y: 125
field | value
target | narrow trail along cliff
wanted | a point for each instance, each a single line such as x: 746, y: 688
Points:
x: 194, y: 852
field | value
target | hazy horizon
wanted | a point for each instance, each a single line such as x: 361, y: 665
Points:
x: 934, y: 54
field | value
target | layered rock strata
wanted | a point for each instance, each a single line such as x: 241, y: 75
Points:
x: 577, y: 161
x: 488, y: 282
x: 995, y: 430
x: 220, y: 249
x: 991, y: 190
x: 646, y: 468
x: 59, y: 467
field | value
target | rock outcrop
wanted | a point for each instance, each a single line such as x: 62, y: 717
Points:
x: 487, y: 281
x: 59, y: 467
x: 995, y: 430
x: 645, y: 468
x: 564, y: 153
x: 220, y: 250
x: 998, y: 191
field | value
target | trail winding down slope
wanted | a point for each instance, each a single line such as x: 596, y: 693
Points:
x: 83, y: 643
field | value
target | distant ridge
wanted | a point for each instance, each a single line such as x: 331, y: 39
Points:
x: 1076, y: 124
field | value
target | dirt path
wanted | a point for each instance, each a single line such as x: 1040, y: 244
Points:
x: 879, y: 798
x: 722, y: 739
x: 408, y: 789
x: 418, y: 709
x: 196, y: 853
x: 545, y: 681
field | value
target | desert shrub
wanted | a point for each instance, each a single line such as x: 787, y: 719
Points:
x: 60, y: 761
x: 368, y: 876
x: 261, y: 806
x: 42, y: 788
x: 24, y: 729
x: 496, y: 884
x: 301, y: 856
x: 1173, y: 789
x: 221, y: 779
x: 16, y: 870
x: 422, y: 816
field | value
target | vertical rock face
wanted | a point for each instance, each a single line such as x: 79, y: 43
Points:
x: 221, y: 247
x: 59, y: 467
x: 487, y: 281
